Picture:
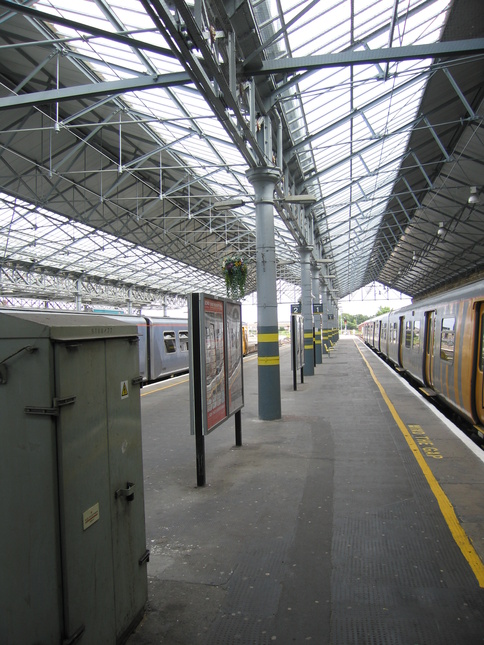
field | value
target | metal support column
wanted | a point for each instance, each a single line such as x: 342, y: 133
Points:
x: 263, y: 181
x: 326, y: 319
x: 317, y: 317
x: 307, y: 309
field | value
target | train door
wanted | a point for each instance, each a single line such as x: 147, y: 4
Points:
x: 479, y: 375
x: 429, y: 348
x: 401, y: 335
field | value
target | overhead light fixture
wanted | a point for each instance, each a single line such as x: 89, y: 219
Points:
x: 229, y: 203
x: 303, y: 200
x: 441, y: 229
x: 474, y: 197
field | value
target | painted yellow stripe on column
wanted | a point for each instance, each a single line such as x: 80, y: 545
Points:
x: 268, y: 338
x: 268, y: 360
x: 458, y: 533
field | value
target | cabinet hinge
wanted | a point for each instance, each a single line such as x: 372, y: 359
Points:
x: 54, y: 410
x: 70, y: 640
x: 144, y: 558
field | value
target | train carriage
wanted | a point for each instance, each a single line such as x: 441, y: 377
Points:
x: 439, y: 342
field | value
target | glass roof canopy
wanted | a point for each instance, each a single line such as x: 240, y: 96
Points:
x: 120, y: 184
x: 351, y: 125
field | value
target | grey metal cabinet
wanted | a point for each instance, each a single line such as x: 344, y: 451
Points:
x: 74, y: 548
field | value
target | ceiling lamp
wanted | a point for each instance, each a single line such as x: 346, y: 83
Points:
x: 302, y: 199
x: 441, y: 229
x: 474, y: 197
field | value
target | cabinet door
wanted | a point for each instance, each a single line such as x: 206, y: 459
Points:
x: 30, y: 603
x: 85, y: 492
x: 126, y: 469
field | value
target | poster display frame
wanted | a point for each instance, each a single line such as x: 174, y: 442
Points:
x: 215, y: 368
x: 297, y: 347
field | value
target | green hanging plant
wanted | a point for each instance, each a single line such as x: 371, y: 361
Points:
x: 235, y: 274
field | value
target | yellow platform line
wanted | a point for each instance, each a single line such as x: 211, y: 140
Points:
x: 458, y: 533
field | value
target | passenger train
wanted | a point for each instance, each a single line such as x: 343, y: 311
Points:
x: 163, y: 343
x: 439, y: 342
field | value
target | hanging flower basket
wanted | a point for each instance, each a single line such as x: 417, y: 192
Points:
x: 235, y: 274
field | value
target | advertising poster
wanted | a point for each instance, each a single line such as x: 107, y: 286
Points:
x: 214, y: 362
x: 234, y: 357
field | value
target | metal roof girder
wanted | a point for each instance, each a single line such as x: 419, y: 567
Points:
x: 90, y: 108
x: 404, y: 210
x: 94, y: 89
x: 411, y: 191
x: 371, y: 36
x: 447, y: 48
x: 35, y: 70
x: 422, y: 170
x: 437, y: 139
x: 240, y: 134
x: 402, y: 232
x: 56, y: 19
x: 77, y: 148
x: 459, y: 93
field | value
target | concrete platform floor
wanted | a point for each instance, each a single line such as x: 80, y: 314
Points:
x: 321, y: 528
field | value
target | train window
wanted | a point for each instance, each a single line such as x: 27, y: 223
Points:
x: 393, y: 338
x: 416, y: 334
x: 408, y: 333
x: 170, y: 343
x: 183, y: 336
x: 447, y: 339
x: 384, y: 331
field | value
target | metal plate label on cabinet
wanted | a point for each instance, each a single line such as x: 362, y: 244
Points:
x: 90, y: 517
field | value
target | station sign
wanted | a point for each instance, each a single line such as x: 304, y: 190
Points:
x: 317, y: 307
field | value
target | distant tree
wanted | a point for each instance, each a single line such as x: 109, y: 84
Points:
x: 383, y: 310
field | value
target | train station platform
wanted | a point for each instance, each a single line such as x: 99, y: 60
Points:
x: 356, y: 519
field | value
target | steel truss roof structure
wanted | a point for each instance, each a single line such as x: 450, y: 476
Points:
x: 125, y: 123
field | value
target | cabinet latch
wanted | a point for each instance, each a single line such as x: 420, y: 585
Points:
x: 54, y: 410
x: 127, y: 492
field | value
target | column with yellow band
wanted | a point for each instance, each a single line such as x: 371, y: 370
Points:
x: 263, y: 180
x: 317, y: 313
x: 307, y: 309
x: 317, y: 345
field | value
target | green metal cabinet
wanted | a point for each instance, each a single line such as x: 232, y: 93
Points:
x: 73, y: 548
